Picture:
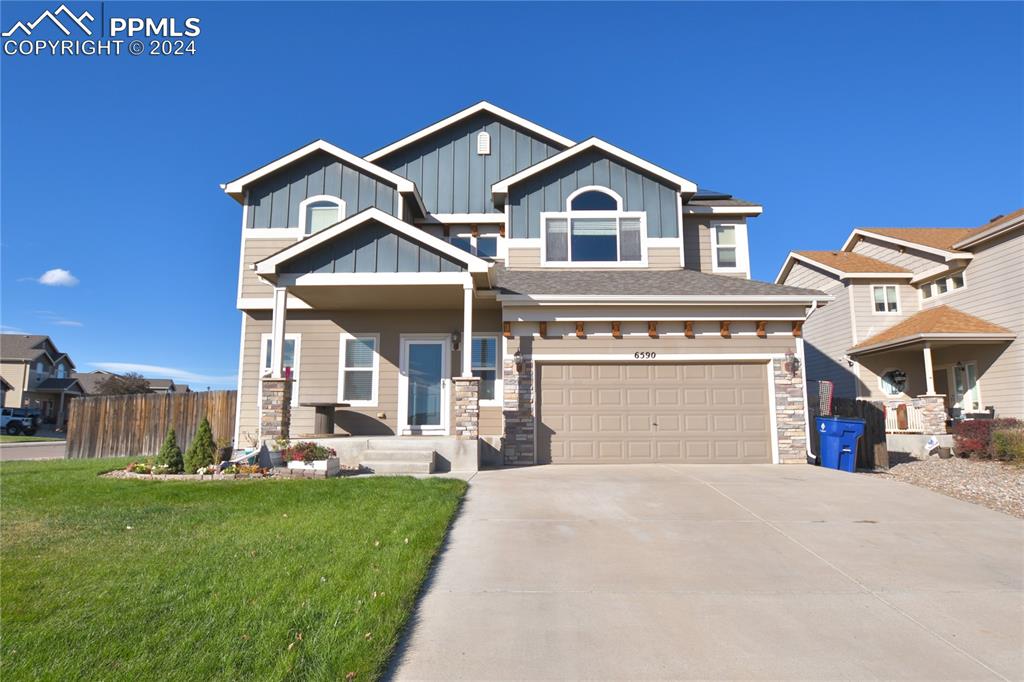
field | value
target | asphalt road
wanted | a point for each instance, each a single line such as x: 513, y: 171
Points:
x: 12, y: 452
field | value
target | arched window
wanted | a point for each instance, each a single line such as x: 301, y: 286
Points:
x: 594, y: 229
x: 319, y: 212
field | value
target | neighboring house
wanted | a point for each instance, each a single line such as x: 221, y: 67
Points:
x: 91, y: 381
x: 4, y: 387
x: 40, y: 376
x: 920, y: 312
x: 486, y: 277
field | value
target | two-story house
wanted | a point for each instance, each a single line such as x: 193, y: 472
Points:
x: 40, y: 376
x: 490, y: 281
x: 928, y: 317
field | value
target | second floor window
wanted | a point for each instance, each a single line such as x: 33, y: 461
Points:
x: 594, y: 229
x: 320, y: 212
x: 886, y: 298
x: 61, y: 372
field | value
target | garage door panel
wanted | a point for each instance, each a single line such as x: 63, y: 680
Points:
x: 654, y: 413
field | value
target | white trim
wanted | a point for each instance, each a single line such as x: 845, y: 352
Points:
x: 304, y: 205
x: 500, y: 188
x: 373, y: 279
x: 268, y: 266
x: 979, y: 337
x: 466, y: 113
x: 787, y: 265
x: 681, y: 233
x: 773, y: 409
x: 701, y: 299
x: 239, y: 394
x: 803, y: 386
x: 241, y: 255
x: 273, y: 233
x: 405, y: 340
x: 659, y: 357
x: 462, y: 219
x: 750, y: 211
x: 263, y: 373
x: 933, y: 286
x: 569, y: 216
x: 268, y: 304
x: 885, y: 297
x: 343, y: 338
x: 499, y: 381
x: 403, y: 185
x: 619, y: 203
x: 860, y: 233
x: 999, y: 226
x: 742, y: 253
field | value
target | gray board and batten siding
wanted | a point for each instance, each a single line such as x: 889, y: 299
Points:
x: 372, y: 248
x: 548, y: 191
x: 274, y: 201
x: 452, y: 177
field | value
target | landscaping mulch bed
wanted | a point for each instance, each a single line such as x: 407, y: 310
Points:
x: 996, y: 485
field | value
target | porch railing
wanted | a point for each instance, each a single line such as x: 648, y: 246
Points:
x: 903, y: 417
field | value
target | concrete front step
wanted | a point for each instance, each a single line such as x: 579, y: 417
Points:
x: 400, y: 455
x: 399, y: 467
x: 406, y: 443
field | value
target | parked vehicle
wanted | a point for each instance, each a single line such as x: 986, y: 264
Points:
x: 16, y: 420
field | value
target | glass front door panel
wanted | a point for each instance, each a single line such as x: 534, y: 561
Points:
x: 426, y: 371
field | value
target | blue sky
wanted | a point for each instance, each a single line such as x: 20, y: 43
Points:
x: 831, y: 115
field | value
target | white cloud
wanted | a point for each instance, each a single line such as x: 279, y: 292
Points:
x: 69, y: 323
x: 55, y: 318
x: 58, y: 277
x: 10, y: 330
x: 179, y: 375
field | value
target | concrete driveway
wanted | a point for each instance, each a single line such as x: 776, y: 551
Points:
x: 722, y: 572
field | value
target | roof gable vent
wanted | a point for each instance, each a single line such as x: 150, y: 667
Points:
x: 483, y: 143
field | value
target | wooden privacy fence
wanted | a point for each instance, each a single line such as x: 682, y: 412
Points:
x: 871, y: 452
x: 135, y: 425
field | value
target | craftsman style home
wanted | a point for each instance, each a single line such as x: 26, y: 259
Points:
x: 494, y: 292
x: 930, y: 318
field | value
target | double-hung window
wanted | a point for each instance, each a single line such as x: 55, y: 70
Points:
x: 594, y: 230
x: 359, y: 369
x: 320, y: 212
x: 292, y: 347
x: 485, y: 366
x: 728, y: 247
x: 481, y: 242
x: 886, y: 298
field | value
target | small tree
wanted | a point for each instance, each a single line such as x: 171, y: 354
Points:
x: 201, y: 450
x: 123, y: 384
x: 170, y: 454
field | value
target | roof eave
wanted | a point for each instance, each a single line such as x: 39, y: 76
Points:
x: 948, y: 255
x: 597, y: 299
x: 985, y: 337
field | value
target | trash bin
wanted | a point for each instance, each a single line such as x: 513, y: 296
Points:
x: 837, y: 438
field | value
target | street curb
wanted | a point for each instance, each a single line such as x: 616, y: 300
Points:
x: 33, y: 445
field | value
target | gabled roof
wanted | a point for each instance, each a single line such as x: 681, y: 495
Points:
x: 843, y: 264
x: 500, y: 188
x: 5, y: 384
x: 268, y: 266
x: 236, y: 187
x: 25, y: 346
x: 496, y: 111
x: 993, y: 228
x: 936, y: 237
x: 940, y: 322
x: 57, y: 385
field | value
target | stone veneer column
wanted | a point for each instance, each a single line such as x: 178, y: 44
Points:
x: 518, y: 401
x: 933, y: 413
x: 467, y: 407
x: 790, y: 413
x: 276, y: 410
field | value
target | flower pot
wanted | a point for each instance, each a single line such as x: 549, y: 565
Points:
x: 331, y: 465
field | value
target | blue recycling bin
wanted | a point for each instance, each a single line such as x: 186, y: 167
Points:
x: 837, y: 439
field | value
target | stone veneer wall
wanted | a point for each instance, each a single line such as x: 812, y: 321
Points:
x: 518, y: 405
x: 790, y: 413
x: 467, y: 407
x: 933, y: 413
x: 276, y: 410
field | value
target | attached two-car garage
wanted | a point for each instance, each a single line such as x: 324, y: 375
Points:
x: 656, y: 412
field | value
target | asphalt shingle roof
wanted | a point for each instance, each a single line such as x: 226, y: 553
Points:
x: 54, y: 384
x: 635, y: 283
x: 847, y: 261
x: 941, y: 319
x: 21, y: 346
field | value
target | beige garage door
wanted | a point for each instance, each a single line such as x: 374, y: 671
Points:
x: 591, y: 414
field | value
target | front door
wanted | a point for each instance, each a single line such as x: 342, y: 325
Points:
x: 423, y: 385
x: 965, y: 386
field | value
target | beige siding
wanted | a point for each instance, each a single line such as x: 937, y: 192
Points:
x: 663, y: 258
x: 915, y: 261
x: 319, y: 348
x: 994, y: 292
x: 15, y: 373
x: 869, y: 322
x: 827, y: 338
x: 659, y: 258
x: 256, y: 250
x: 809, y: 277
x: 697, y: 242
x: 528, y: 258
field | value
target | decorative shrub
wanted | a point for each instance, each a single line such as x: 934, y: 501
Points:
x: 1008, y: 444
x: 201, y: 450
x: 307, y: 452
x: 973, y: 437
x: 169, y: 458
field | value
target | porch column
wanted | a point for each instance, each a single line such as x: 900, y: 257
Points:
x: 928, y: 378
x: 467, y: 329
x: 277, y: 332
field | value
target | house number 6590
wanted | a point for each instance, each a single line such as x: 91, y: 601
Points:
x: 645, y: 355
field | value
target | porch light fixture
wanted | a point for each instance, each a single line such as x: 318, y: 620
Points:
x: 456, y: 339
x: 791, y: 364
x: 517, y: 357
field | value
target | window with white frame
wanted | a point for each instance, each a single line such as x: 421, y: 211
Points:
x: 483, y: 243
x: 485, y: 365
x: 61, y: 371
x: 728, y: 247
x: 320, y: 212
x: 943, y: 285
x: 886, y: 298
x: 292, y: 347
x: 483, y: 143
x: 594, y: 229
x: 359, y: 369
x: 894, y: 382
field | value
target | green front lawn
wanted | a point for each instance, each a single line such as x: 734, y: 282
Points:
x: 4, y: 438
x: 265, y: 580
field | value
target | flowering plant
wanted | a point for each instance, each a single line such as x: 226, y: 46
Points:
x: 307, y: 452
x: 139, y: 468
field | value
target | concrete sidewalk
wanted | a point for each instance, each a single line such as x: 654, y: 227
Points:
x: 12, y: 452
x: 718, y: 572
